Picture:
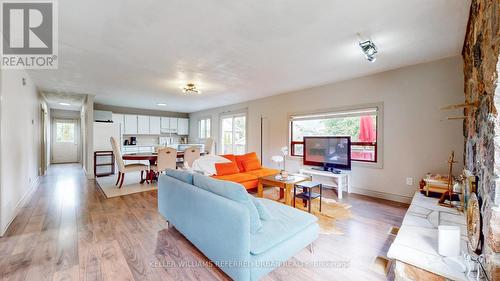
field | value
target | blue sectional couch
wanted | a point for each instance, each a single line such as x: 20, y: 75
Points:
x: 246, y: 239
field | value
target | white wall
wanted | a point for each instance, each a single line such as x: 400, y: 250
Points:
x: 20, y: 143
x: 89, y: 136
x: 83, y: 133
x: 417, y: 140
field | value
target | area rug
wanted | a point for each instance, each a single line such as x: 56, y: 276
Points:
x: 331, y: 212
x: 131, y: 184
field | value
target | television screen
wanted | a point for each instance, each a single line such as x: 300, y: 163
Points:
x: 332, y: 152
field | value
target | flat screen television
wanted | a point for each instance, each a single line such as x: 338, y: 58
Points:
x: 329, y: 152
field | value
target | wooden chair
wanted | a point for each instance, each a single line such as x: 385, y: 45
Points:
x: 167, y: 159
x: 190, y: 154
x: 209, y: 144
x: 122, y: 168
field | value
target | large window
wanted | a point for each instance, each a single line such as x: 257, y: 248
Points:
x: 233, y: 134
x: 204, y: 128
x: 359, y: 124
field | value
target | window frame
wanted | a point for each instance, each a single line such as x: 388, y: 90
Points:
x: 233, y: 114
x: 378, y: 145
x: 199, y: 128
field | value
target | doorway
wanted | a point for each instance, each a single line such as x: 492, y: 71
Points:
x: 65, y: 141
x: 233, y: 134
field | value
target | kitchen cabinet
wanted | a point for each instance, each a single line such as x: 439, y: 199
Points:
x: 165, y: 124
x: 154, y: 125
x: 119, y: 119
x: 142, y: 125
x: 130, y: 126
x: 183, y: 126
x: 168, y: 125
x: 174, y: 125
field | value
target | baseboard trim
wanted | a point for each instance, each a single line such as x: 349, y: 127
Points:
x: 88, y: 175
x: 381, y: 195
x: 26, y: 197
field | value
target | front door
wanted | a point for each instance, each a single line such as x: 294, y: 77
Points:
x: 65, y: 141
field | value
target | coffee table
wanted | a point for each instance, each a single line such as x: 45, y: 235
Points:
x: 285, y: 186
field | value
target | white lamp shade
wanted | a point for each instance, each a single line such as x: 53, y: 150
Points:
x: 277, y: 158
x: 284, y: 150
x: 449, y: 240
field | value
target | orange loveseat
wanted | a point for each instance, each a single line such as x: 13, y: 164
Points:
x: 248, y: 170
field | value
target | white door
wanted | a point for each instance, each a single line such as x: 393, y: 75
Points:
x: 65, y: 139
x: 233, y: 134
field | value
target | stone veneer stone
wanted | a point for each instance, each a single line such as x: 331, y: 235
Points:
x: 482, y: 125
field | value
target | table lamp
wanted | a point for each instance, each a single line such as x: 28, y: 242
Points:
x: 278, y: 159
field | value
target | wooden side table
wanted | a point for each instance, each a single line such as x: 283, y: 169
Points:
x: 284, y: 185
x: 307, y: 195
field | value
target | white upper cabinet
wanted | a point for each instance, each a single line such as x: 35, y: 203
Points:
x: 165, y: 124
x: 118, y: 119
x: 142, y: 125
x: 151, y: 125
x: 130, y: 127
x: 173, y: 125
x: 168, y: 125
x: 183, y: 126
x: 154, y: 125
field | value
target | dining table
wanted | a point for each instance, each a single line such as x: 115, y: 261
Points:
x: 152, y: 157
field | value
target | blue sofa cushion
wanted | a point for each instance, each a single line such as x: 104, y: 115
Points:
x: 181, y: 175
x: 233, y: 191
x: 264, y: 213
x: 284, y: 223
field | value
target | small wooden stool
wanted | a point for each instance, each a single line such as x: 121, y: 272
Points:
x: 307, y: 195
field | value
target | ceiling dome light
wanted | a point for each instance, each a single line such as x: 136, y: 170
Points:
x: 191, y: 88
x: 369, y: 49
x: 161, y: 104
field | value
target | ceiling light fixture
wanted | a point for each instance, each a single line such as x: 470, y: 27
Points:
x: 369, y: 49
x: 64, y: 103
x: 162, y: 104
x: 191, y: 88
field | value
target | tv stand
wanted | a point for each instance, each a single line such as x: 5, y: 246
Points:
x: 327, y: 169
x: 342, y: 177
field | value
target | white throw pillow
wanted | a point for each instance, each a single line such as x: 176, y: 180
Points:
x: 206, y: 164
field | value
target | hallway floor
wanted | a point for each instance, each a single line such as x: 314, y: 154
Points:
x: 70, y: 231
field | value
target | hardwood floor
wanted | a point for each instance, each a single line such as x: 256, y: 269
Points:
x: 70, y: 231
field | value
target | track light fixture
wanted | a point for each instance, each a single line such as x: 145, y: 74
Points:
x: 369, y: 49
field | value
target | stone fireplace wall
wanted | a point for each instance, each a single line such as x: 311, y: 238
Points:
x: 482, y: 125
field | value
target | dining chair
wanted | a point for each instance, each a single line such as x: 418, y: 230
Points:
x: 190, y: 154
x: 122, y: 168
x: 209, y: 144
x: 167, y: 159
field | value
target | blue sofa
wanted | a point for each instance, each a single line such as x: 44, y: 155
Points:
x: 222, y: 228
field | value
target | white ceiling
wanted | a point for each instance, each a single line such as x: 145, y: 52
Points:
x: 74, y: 101
x: 138, y: 53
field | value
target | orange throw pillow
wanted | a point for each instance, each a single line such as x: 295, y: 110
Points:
x: 230, y: 157
x: 245, y: 157
x: 252, y: 164
x: 229, y: 168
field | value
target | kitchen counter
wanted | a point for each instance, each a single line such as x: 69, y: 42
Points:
x: 416, y: 243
